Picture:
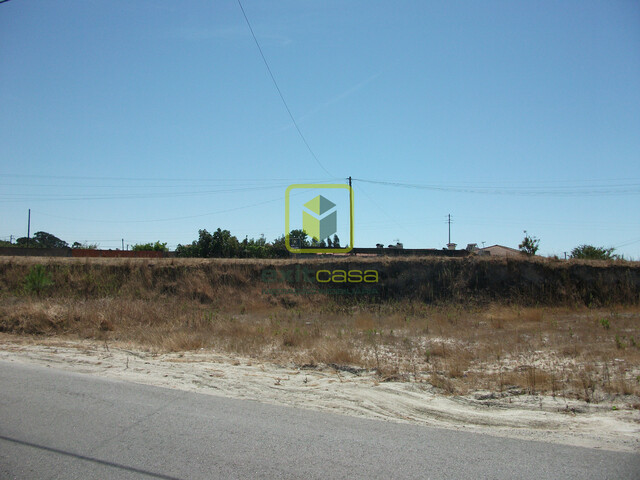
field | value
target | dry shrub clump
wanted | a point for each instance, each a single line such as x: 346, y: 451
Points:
x: 572, y: 349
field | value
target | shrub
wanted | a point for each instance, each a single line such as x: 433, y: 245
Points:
x: 150, y: 247
x: 589, y: 252
x: 37, y: 280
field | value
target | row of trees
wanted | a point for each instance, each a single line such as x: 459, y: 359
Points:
x: 224, y: 245
x: 42, y: 240
x: 48, y: 240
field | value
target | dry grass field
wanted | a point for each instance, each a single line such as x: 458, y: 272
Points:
x: 447, y: 327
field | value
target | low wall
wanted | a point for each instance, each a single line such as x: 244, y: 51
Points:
x: 419, y: 252
x: 78, y: 252
x: 35, y: 252
x: 82, y: 252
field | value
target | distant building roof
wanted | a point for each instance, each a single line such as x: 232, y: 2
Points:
x: 500, y: 251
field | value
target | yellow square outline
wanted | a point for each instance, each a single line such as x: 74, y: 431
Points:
x: 286, y: 219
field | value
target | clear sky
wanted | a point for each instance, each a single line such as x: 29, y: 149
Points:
x: 149, y: 120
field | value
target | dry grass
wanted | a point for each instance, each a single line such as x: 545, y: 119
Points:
x: 570, y: 350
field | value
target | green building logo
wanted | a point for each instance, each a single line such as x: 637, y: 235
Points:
x: 319, y: 218
x: 320, y: 224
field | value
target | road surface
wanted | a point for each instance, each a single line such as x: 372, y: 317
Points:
x: 58, y: 424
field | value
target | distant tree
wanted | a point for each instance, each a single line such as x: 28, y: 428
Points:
x: 336, y: 241
x: 317, y: 244
x: 589, y: 252
x: 529, y: 245
x: 277, y: 248
x: 25, y: 242
x: 42, y: 240
x: 85, y: 245
x: 224, y: 244
x: 299, y: 239
x: 187, y: 250
x: 150, y: 247
x: 220, y: 244
x: 254, y: 248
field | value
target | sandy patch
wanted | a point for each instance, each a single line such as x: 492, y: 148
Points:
x: 612, y: 426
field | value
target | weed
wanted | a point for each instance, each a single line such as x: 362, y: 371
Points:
x: 37, y: 280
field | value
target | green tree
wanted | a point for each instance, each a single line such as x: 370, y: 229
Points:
x: 187, y: 250
x: 224, y: 244
x: 150, y: 247
x: 254, y: 248
x: 589, y: 252
x: 318, y: 244
x: 299, y: 239
x: 42, y: 240
x: 278, y: 248
x: 529, y: 244
x: 220, y: 244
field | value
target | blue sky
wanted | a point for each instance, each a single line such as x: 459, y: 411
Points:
x: 149, y: 120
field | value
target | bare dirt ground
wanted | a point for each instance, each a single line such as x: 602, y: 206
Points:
x: 606, y: 425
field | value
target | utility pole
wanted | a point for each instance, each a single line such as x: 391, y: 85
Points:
x: 123, y: 244
x: 29, y: 228
x: 350, y: 212
x: 449, y: 221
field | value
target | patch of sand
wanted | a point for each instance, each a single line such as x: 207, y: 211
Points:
x: 612, y: 426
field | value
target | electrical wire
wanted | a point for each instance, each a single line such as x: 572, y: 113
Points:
x: 168, y: 219
x: 156, y: 179
x: 626, y: 244
x: 123, y: 196
x: 587, y: 190
x: 82, y: 196
x: 284, y: 102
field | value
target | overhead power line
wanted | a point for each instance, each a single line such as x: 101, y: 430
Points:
x: 151, y: 179
x: 8, y: 197
x: 562, y: 190
x: 284, y: 102
x: 169, y: 219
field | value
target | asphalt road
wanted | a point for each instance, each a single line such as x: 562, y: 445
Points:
x: 57, y: 424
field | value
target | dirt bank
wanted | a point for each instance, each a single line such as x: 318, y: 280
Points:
x: 613, y: 426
